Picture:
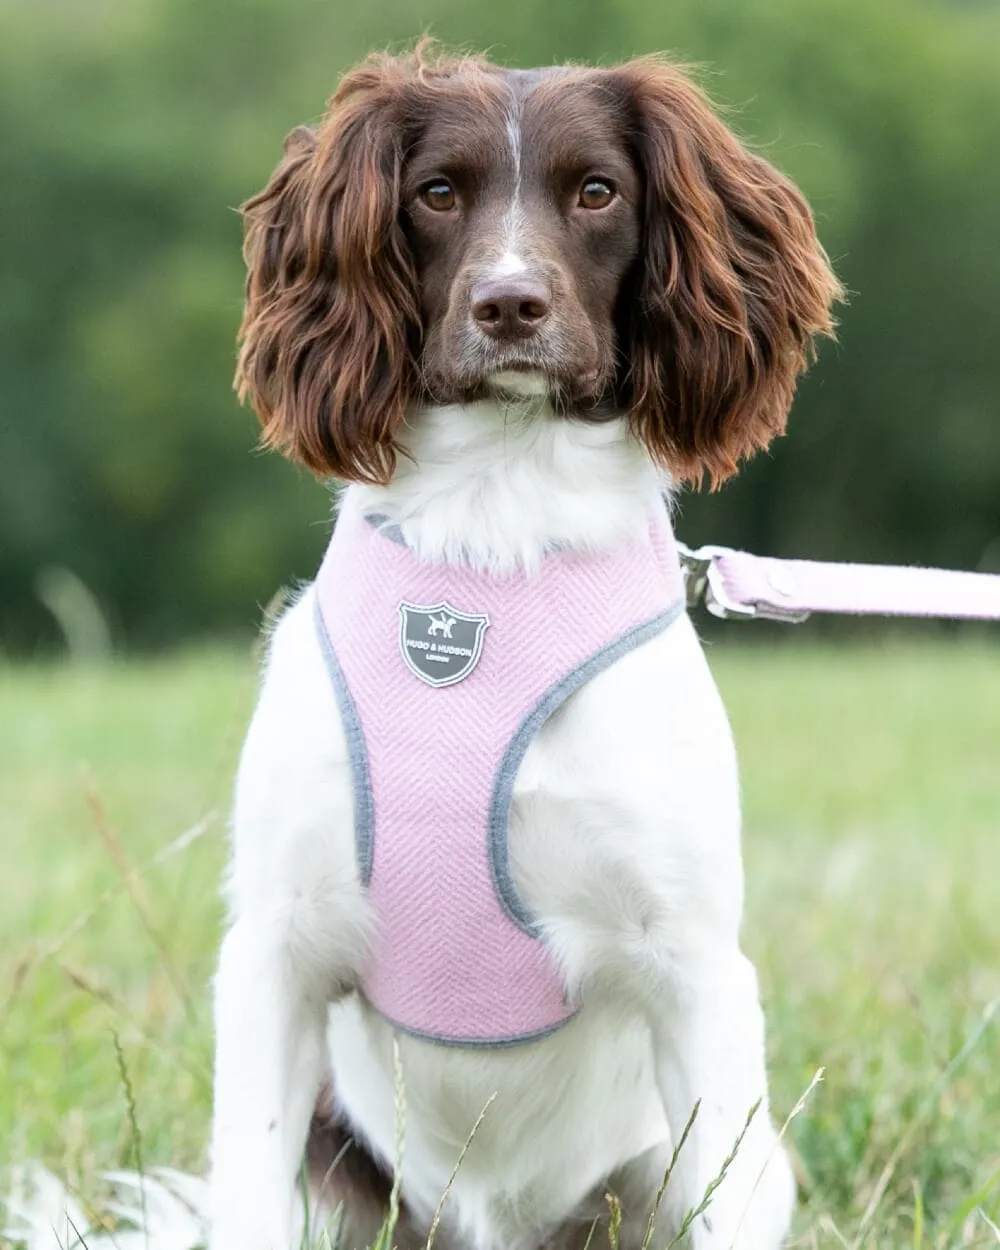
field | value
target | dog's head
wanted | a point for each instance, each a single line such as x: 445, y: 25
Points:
x: 597, y: 236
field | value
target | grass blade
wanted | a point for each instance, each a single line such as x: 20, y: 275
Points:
x: 651, y: 1224
x: 133, y: 1120
x: 716, y: 1181
x: 435, y: 1222
x: 918, y: 1217
x: 388, y: 1230
x: 615, y: 1221
x: 799, y: 1107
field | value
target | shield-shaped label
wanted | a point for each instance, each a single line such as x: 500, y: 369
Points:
x: 440, y: 645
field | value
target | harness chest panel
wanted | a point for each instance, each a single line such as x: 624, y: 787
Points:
x: 442, y: 676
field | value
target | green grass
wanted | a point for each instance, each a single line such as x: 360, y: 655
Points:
x: 872, y: 794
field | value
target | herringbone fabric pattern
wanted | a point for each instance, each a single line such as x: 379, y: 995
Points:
x: 448, y: 961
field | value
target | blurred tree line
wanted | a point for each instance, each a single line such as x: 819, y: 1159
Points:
x: 130, y: 131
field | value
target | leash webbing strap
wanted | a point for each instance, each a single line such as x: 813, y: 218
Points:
x: 738, y: 585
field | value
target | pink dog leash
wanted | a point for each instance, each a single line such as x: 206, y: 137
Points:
x: 739, y: 586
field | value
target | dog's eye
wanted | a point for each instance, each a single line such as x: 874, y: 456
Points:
x: 596, y: 193
x: 439, y: 195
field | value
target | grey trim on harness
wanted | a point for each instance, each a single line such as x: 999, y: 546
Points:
x: 503, y: 789
x: 388, y: 529
x: 472, y: 1043
x: 364, y: 805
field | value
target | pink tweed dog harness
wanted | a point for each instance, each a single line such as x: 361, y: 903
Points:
x: 442, y: 676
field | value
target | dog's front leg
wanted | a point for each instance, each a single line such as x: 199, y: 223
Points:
x: 708, y: 1035
x: 270, y: 1062
x: 297, y: 938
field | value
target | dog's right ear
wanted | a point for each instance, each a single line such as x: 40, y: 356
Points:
x: 331, y: 315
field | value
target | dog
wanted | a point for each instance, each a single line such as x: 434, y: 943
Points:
x: 509, y: 309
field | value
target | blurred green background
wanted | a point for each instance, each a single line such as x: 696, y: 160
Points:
x: 130, y: 130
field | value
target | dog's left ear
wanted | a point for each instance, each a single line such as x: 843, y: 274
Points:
x: 732, y: 286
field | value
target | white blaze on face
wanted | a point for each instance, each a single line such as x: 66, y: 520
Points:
x: 515, y: 384
x: 508, y: 265
x: 512, y: 259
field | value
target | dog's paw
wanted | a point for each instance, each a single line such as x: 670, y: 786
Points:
x: 247, y: 1234
x: 760, y: 1220
x: 250, y: 1218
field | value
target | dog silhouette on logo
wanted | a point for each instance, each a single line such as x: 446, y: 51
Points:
x: 440, y: 625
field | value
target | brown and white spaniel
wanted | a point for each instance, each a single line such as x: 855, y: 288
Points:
x: 510, y: 309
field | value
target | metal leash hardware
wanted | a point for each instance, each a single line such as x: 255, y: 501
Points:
x: 703, y: 584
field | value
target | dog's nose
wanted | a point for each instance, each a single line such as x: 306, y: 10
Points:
x: 511, y: 308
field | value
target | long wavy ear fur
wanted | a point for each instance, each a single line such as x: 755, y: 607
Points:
x: 331, y: 320
x: 731, y: 289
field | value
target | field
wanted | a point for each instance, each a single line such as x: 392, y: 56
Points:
x: 872, y: 795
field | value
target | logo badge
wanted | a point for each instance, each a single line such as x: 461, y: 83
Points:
x: 440, y: 645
